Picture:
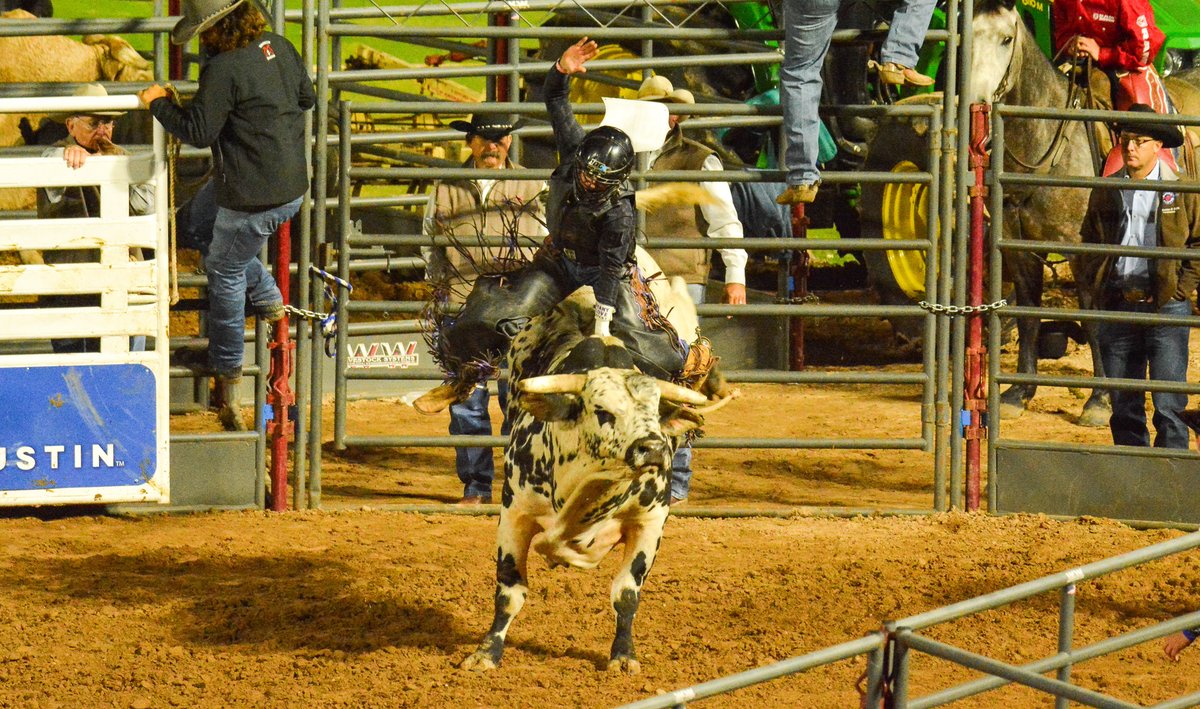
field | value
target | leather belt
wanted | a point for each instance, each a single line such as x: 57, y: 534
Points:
x: 1134, y: 296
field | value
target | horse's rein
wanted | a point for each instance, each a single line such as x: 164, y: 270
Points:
x: 1050, y: 158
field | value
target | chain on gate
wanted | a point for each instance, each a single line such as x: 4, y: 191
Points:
x: 957, y: 310
x: 329, y: 324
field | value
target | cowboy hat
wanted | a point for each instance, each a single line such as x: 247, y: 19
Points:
x: 199, y: 15
x: 1169, y: 135
x: 659, y: 88
x: 491, y: 127
x: 88, y: 91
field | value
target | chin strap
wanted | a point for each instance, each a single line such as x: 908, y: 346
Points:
x: 604, y: 316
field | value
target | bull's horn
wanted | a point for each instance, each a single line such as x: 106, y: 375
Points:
x: 718, y: 404
x: 554, y: 384
x: 674, y: 392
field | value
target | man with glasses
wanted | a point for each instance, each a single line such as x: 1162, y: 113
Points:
x: 470, y: 211
x: 1144, y: 218
x: 88, y: 134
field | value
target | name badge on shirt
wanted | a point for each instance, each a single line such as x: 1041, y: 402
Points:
x: 1168, y: 202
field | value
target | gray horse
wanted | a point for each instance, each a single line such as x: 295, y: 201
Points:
x: 1009, y: 67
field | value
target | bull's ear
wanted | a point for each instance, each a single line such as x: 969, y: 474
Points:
x: 551, y: 407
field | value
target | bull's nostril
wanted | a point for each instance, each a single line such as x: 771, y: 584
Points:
x: 647, y: 450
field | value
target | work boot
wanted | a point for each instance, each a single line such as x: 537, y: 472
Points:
x: 438, y: 399
x: 269, y: 312
x: 229, y: 414
x: 799, y: 194
x: 900, y: 75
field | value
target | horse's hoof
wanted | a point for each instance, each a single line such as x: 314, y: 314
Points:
x: 1009, y: 412
x: 1095, y: 417
x: 479, y: 661
x: 625, y: 664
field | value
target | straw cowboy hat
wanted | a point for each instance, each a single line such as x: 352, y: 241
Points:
x: 1169, y: 135
x: 199, y: 15
x: 659, y: 88
x: 88, y: 91
x: 489, y: 127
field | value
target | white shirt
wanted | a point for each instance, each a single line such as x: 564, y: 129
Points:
x: 722, y: 218
x: 141, y: 197
x: 1140, y: 230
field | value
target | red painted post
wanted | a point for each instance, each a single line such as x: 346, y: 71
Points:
x: 974, y: 389
x: 279, y: 389
x: 174, y: 51
x: 499, y: 55
x: 797, y: 289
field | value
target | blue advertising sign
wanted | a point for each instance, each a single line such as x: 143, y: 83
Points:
x: 77, y: 426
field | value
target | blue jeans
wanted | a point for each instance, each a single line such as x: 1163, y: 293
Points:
x: 1127, y: 352
x: 807, y: 29
x: 234, y: 272
x: 681, y: 463
x: 471, y: 418
x: 907, y: 32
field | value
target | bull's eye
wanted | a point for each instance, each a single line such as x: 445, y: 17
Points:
x: 605, y: 418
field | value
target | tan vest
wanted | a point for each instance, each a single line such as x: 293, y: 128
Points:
x: 513, y: 210
x: 685, y: 221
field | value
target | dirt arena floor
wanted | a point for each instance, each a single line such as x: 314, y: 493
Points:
x: 363, y: 606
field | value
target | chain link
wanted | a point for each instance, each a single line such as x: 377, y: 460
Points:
x: 306, y: 314
x: 956, y: 310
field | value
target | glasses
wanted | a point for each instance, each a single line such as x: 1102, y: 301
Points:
x: 96, y: 122
x: 1137, y: 140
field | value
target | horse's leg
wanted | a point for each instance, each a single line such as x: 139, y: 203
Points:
x: 1027, y: 281
x: 1098, y: 408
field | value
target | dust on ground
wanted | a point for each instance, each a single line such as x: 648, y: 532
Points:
x: 358, y: 606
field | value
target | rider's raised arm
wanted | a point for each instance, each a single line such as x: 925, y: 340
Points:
x: 567, y: 131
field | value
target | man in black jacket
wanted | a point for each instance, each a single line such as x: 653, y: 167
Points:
x: 250, y: 108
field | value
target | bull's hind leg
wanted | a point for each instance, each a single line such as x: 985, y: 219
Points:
x: 512, y: 554
x: 641, y: 546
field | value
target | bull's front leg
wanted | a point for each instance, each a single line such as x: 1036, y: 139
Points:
x: 512, y: 554
x: 641, y: 546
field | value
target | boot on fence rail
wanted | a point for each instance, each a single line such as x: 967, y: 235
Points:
x: 229, y: 413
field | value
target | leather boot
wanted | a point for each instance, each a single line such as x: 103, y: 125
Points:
x: 229, y: 414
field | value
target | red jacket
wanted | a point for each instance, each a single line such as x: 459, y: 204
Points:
x: 1124, y: 29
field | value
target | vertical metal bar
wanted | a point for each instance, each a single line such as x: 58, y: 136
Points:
x: 281, y: 371
x: 797, y: 287
x: 161, y: 52
x: 900, y: 669
x: 997, y: 288
x: 1066, y: 632
x: 929, y: 417
x: 277, y: 19
x: 175, y: 52
x: 319, y: 215
x: 339, y: 366
x: 514, y: 80
x: 959, y: 114
x: 260, y: 396
x: 874, y: 677
x: 976, y: 354
x: 301, y: 460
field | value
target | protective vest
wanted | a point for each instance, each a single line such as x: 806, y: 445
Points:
x: 686, y: 221
x: 513, y: 211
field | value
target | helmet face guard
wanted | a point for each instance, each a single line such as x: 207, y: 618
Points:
x: 603, y: 161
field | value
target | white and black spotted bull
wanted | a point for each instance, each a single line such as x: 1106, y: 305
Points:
x: 587, y: 466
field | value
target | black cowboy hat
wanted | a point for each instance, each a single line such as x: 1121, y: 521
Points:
x: 489, y: 126
x: 1169, y: 135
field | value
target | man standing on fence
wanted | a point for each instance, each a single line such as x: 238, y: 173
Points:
x: 718, y: 220
x: 88, y: 134
x: 471, y: 211
x: 1131, y: 217
x: 249, y: 106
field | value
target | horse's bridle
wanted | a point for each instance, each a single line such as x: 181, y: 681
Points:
x: 1050, y: 158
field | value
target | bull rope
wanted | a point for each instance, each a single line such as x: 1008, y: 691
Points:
x: 174, y: 146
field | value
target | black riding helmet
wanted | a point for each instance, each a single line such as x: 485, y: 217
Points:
x: 605, y: 157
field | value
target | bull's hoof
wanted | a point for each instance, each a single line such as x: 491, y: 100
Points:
x: 479, y: 661
x: 625, y: 664
x: 1095, y: 416
x: 1010, y: 411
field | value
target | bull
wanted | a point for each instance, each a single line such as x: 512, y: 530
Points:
x: 587, y: 466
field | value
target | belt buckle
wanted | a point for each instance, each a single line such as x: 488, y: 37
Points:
x: 1135, y: 296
